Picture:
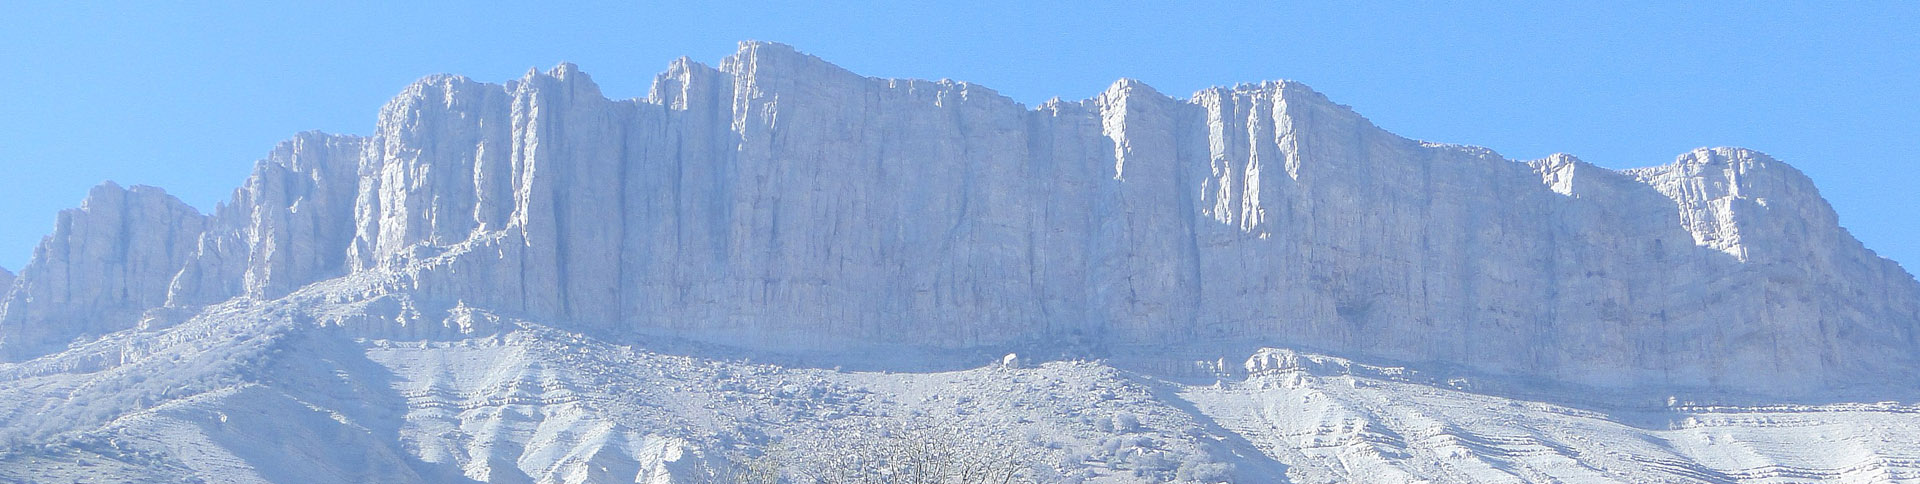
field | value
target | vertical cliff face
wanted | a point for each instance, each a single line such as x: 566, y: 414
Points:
x: 779, y: 202
x: 288, y: 226
x: 1797, y: 295
x: 106, y: 262
x: 129, y: 250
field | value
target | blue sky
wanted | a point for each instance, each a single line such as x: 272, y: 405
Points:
x: 186, y: 96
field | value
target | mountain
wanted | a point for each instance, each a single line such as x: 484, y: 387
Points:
x: 531, y: 282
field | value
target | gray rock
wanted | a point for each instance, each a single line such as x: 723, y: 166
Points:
x: 288, y: 226
x: 779, y: 202
x: 105, y: 263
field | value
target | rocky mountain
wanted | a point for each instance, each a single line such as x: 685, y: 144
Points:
x: 779, y: 207
x: 105, y: 264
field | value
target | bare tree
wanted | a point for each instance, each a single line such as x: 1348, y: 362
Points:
x: 738, y: 468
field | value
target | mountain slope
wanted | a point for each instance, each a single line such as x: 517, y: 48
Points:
x: 471, y: 292
x: 522, y: 402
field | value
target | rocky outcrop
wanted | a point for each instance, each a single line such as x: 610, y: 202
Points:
x: 288, y: 226
x: 127, y: 251
x: 105, y: 263
x: 1805, y: 300
x: 779, y: 202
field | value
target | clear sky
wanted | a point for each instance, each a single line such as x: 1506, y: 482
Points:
x: 186, y: 97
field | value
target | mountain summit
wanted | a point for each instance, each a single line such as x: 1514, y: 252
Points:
x: 781, y: 207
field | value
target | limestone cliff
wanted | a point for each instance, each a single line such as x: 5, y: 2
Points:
x: 287, y: 227
x: 779, y: 202
x: 106, y: 262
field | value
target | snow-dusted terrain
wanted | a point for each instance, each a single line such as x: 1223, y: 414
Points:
x: 778, y: 267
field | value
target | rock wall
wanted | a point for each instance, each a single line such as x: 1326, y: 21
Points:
x: 106, y: 262
x: 780, y: 202
x: 288, y: 226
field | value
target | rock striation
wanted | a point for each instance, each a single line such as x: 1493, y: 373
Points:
x: 779, y: 202
x: 287, y: 227
x: 104, y: 264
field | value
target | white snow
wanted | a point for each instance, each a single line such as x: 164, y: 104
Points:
x: 778, y: 267
x: 536, y: 404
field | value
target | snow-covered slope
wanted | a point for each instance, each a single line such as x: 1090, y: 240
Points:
x: 251, y: 397
x: 776, y: 258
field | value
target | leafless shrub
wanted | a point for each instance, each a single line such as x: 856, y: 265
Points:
x: 926, y: 454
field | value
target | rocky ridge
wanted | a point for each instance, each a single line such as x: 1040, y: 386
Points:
x: 777, y: 202
x: 104, y: 264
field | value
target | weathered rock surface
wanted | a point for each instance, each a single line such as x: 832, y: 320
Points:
x: 105, y: 263
x: 779, y: 202
x: 287, y: 227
